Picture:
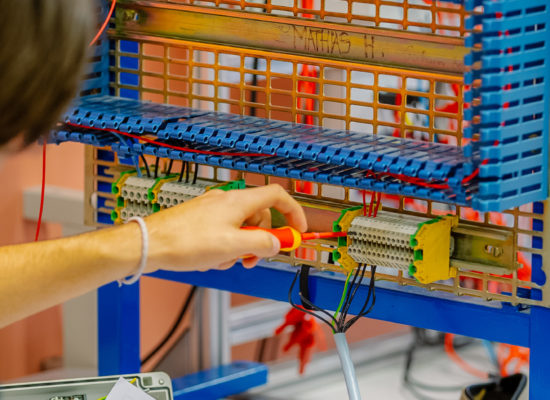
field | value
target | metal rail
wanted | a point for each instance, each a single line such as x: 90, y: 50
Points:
x: 292, y: 35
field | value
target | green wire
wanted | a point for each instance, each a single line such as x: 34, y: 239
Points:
x: 343, y: 297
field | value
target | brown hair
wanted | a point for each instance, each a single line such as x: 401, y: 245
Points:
x: 43, y: 46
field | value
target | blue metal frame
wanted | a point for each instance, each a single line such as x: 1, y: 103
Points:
x: 501, y: 323
x: 520, y: 142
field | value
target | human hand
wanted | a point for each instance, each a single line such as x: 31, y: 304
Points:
x: 205, y: 233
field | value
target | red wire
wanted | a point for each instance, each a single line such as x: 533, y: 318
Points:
x: 39, y: 223
x: 94, y: 40
x: 105, y: 23
x: 170, y: 146
x: 378, y: 201
x: 373, y: 194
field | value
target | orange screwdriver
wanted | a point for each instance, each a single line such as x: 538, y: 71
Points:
x: 291, y: 239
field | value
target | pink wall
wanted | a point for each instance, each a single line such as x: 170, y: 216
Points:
x: 24, y: 344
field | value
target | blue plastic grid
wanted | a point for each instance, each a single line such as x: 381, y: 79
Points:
x: 510, y: 85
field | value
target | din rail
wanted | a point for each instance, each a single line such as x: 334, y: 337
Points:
x: 344, y: 42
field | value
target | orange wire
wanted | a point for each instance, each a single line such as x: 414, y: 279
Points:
x: 450, y: 350
x: 105, y: 23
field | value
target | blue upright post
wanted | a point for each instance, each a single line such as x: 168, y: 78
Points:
x: 539, y: 367
x: 118, y: 329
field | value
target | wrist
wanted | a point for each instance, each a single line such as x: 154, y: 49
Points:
x: 121, y: 247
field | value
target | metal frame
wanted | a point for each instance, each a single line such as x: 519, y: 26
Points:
x: 498, y: 321
x: 505, y: 323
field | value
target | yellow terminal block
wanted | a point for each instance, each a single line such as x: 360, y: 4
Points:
x: 432, y: 250
x: 342, y: 225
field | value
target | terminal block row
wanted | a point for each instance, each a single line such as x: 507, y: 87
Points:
x: 428, y: 249
x: 141, y: 196
x: 384, y: 240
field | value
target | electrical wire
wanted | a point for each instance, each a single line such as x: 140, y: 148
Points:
x: 378, y: 176
x: 146, y: 165
x: 104, y: 25
x: 344, y: 293
x: 169, y: 169
x: 451, y: 352
x: 360, y: 273
x: 337, y: 323
x: 157, y: 160
x: 364, y: 310
x: 196, y: 174
x: 170, y: 146
x: 348, y: 369
x: 183, y: 164
x: 136, y: 164
x: 411, y: 383
x: 174, y: 326
x: 43, y: 184
x: 42, y: 191
x: 302, y: 309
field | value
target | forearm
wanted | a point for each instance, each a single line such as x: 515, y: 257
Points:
x: 35, y: 276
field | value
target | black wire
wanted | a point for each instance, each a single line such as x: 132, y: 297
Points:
x: 146, y: 165
x: 169, y: 170
x: 320, y: 318
x: 372, y: 289
x: 364, y: 311
x: 187, y: 173
x: 352, y: 291
x: 183, y: 164
x: 196, y: 173
x: 304, y: 282
x: 157, y: 167
x: 174, y: 327
x: 317, y: 308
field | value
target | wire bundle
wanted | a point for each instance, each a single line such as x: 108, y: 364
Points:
x: 339, y: 322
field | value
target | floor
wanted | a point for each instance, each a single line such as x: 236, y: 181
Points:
x: 381, y: 377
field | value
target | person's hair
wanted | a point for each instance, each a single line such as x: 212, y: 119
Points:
x: 43, y: 47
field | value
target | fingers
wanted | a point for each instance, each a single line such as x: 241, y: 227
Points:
x: 255, y: 242
x: 251, y: 201
x: 250, y: 262
x: 227, y: 265
x: 261, y: 219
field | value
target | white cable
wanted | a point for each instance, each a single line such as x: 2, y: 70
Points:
x: 347, y: 366
x: 144, y: 252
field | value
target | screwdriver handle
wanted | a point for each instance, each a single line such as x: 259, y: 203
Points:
x: 289, y: 237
